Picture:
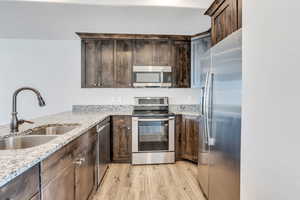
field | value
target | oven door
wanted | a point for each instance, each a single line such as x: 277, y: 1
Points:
x: 153, y: 134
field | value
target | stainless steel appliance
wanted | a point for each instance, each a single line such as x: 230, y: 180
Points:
x: 153, y: 132
x: 103, y: 149
x: 219, y: 141
x: 152, y: 76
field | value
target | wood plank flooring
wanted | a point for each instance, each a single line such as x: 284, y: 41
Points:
x: 150, y: 182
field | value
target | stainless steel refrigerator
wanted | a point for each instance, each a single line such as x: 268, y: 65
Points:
x: 220, y: 135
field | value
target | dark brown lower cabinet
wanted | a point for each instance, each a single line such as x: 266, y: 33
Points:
x: 61, y: 187
x: 70, y: 173
x: 121, y: 138
x: 23, y: 187
x: 190, y: 128
x: 85, y: 176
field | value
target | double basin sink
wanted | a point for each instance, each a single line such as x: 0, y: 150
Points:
x: 36, y: 136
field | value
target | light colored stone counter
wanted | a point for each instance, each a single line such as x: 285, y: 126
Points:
x: 15, y: 162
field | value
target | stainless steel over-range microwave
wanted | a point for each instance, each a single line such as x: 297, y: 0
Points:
x: 152, y: 76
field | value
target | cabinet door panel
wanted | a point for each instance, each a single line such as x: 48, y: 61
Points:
x: 182, y: 63
x: 62, y: 187
x: 85, y: 177
x: 224, y: 20
x: 143, y: 53
x: 22, y: 187
x: 91, y: 64
x: 161, y: 54
x: 123, y: 63
x: 190, y: 137
x: 106, y: 63
x: 121, y: 138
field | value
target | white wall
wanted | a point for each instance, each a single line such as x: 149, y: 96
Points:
x: 60, y: 21
x: 53, y: 67
x: 271, y: 97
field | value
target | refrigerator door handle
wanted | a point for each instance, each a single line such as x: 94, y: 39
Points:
x: 205, y: 133
x: 210, y: 139
x: 202, y: 100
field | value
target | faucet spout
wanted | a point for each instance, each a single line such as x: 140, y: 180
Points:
x: 14, y: 125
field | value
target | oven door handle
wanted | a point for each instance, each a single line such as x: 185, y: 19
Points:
x: 153, y: 119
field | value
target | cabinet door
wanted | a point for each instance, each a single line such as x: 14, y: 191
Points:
x: 143, y: 52
x: 90, y: 67
x: 224, y: 20
x: 189, y: 141
x: 121, y: 138
x: 85, y: 177
x: 98, y: 64
x: 105, y: 53
x: 124, y: 63
x: 182, y: 70
x: 22, y: 187
x: 62, y: 187
x: 161, y: 54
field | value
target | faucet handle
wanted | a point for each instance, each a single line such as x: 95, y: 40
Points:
x: 22, y: 121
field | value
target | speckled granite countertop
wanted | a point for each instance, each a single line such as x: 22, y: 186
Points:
x: 15, y: 162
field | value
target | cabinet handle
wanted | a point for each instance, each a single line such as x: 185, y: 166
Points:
x: 79, y: 161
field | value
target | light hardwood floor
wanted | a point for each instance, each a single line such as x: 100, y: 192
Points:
x: 150, y: 182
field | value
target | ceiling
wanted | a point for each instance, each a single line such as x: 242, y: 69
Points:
x: 59, y: 21
x: 169, y: 3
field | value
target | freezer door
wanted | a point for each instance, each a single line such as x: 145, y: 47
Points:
x: 225, y: 135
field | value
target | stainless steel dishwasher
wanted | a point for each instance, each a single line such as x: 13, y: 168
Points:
x: 103, y: 149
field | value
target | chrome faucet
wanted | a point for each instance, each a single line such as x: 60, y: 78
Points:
x: 14, y: 124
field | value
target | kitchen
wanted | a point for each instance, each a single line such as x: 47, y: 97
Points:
x: 148, y: 100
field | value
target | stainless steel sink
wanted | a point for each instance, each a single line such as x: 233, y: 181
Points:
x: 53, y: 129
x: 23, y: 142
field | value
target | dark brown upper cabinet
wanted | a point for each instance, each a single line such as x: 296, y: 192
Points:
x: 152, y: 52
x: 98, y: 63
x: 108, y: 59
x: 123, y: 59
x: 161, y: 52
x: 143, y: 53
x: 121, y: 138
x: 226, y: 17
x: 182, y: 64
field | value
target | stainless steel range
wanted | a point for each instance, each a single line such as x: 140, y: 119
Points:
x: 153, y: 132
